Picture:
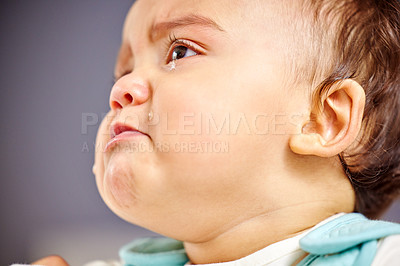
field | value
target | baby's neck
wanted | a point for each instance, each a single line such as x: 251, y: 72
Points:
x: 259, y: 232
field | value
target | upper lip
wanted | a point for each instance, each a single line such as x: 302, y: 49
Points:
x: 119, y: 128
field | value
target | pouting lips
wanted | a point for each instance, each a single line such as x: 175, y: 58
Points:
x: 118, y: 129
x: 121, y: 132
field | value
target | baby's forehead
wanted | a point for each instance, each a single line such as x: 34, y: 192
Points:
x: 234, y: 14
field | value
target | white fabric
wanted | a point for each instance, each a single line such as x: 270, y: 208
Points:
x: 388, y: 253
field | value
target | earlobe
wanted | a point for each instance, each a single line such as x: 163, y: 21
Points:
x: 334, y: 124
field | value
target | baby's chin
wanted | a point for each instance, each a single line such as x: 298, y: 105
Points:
x: 118, y: 185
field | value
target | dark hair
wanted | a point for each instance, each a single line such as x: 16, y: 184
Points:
x: 366, y: 48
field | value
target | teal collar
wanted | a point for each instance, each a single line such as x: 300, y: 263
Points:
x: 351, y: 239
x: 154, y: 252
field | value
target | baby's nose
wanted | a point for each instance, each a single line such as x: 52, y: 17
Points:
x: 129, y: 90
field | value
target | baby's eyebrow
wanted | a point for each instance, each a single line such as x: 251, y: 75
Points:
x: 160, y: 28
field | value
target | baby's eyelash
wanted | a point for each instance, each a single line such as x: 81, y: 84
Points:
x: 171, y: 39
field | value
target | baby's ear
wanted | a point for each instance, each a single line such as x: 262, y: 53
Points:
x: 334, y: 124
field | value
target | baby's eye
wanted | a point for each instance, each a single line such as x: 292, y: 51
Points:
x: 181, y: 49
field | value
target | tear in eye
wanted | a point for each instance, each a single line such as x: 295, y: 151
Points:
x: 181, y: 51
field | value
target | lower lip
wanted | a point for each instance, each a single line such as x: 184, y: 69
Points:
x: 124, y: 136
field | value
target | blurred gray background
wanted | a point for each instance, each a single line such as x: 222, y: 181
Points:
x: 57, y: 61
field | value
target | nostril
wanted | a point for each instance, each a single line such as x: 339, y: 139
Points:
x: 129, y: 97
x: 116, y: 105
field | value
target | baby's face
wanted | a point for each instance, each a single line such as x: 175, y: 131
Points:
x: 211, y: 73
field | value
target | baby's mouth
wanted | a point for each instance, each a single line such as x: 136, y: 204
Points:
x: 121, y: 132
x: 118, y: 129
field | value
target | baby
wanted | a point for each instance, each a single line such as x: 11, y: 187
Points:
x: 256, y: 132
